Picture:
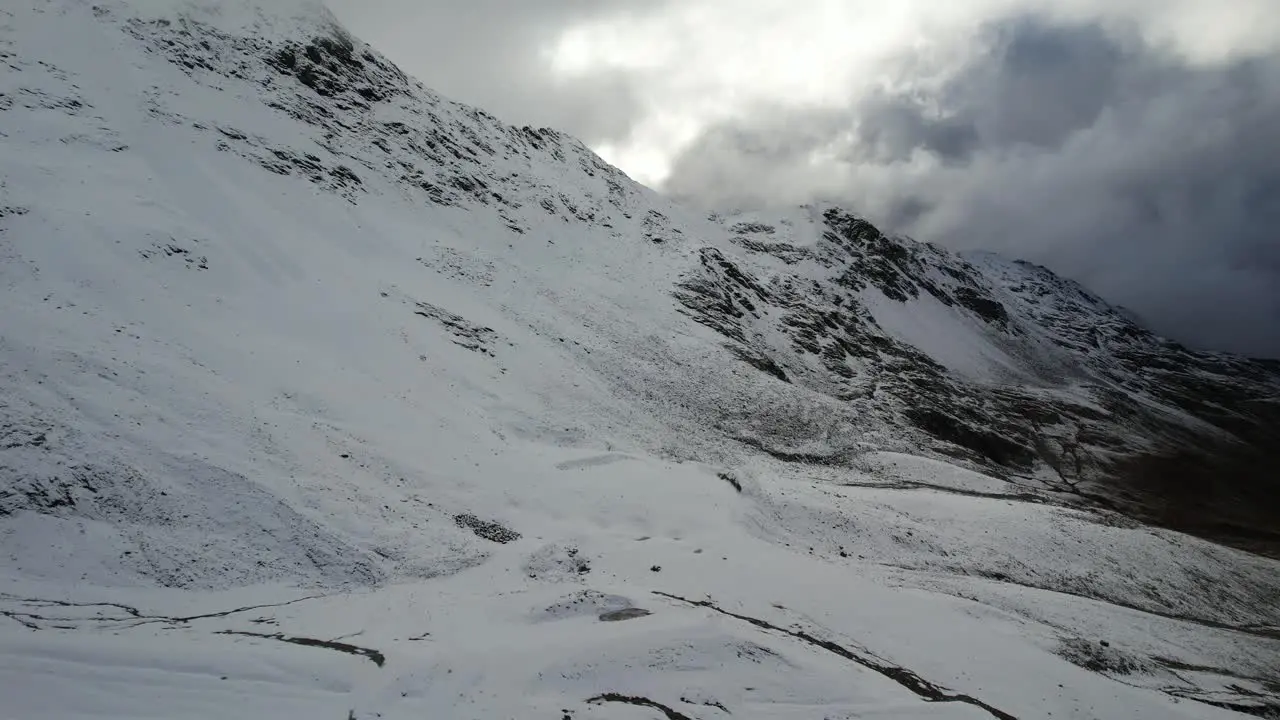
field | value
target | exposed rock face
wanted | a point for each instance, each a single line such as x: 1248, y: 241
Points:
x: 1067, y: 388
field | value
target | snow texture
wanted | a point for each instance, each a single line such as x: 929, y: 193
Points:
x: 323, y: 396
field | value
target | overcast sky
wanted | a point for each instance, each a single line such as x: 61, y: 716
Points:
x: 1133, y: 145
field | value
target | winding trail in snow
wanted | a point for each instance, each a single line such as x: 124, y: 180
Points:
x: 908, y: 679
x: 135, y: 617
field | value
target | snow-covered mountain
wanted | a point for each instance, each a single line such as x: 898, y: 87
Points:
x: 323, y: 396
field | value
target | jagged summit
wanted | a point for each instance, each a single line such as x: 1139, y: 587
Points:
x: 266, y: 20
x: 327, y: 396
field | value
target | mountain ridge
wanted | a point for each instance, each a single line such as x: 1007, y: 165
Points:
x: 964, y: 383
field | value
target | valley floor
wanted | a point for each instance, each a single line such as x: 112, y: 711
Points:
x: 884, y: 606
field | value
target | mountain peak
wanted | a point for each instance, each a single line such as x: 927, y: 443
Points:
x: 261, y: 18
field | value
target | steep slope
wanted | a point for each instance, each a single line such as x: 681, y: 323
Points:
x: 1004, y: 364
x: 321, y: 394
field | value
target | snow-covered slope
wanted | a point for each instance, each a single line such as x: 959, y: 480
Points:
x: 321, y: 395
x: 1002, y: 364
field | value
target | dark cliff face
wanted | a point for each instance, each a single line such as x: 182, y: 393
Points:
x: 437, y: 151
x: 1097, y: 410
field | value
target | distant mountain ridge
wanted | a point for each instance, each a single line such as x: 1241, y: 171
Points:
x: 1013, y: 366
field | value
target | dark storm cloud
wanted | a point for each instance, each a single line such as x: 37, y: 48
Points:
x: 1038, y: 85
x: 1154, y: 181
x: 490, y: 53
